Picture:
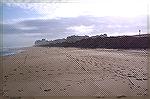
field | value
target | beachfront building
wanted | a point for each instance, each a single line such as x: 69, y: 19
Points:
x: 73, y: 38
x: 70, y: 39
x: 102, y: 35
x: 58, y: 41
x: 41, y: 42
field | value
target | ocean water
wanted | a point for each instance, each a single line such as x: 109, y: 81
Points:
x: 9, y: 51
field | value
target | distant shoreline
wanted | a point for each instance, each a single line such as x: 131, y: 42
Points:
x: 10, y: 51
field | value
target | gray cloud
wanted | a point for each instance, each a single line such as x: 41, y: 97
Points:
x: 58, y: 27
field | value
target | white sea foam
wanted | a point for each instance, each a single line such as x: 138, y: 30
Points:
x: 10, y: 51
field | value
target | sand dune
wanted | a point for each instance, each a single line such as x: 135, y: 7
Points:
x: 75, y: 72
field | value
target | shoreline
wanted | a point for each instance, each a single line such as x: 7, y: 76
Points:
x: 11, y: 51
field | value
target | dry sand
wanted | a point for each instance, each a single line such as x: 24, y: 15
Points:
x: 55, y: 71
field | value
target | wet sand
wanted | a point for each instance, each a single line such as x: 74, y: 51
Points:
x: 40, y: 71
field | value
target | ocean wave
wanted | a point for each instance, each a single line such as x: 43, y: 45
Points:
x: 9, y: 51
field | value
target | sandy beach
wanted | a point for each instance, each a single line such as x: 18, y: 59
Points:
x: 40, y: 71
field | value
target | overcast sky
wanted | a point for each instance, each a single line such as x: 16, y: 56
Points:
x: 23, y: 23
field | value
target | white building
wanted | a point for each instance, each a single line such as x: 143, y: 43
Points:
x: 74, y: 38
x: 41, y: 42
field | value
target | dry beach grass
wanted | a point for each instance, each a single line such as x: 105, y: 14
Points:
x: 40, y: 71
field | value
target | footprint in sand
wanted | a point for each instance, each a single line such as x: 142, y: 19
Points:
x: 63, y: 89
x: 68, y: 85
x: 49, y: 74
x: 47, y: 90
x: 20, y: 90
x: 21, y: 73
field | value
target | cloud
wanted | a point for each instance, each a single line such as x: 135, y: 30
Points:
x: 40, y: 1
x: 78, y: 25
x: 81, y: 29
x: 9, y: 28
x: 97, y: 8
